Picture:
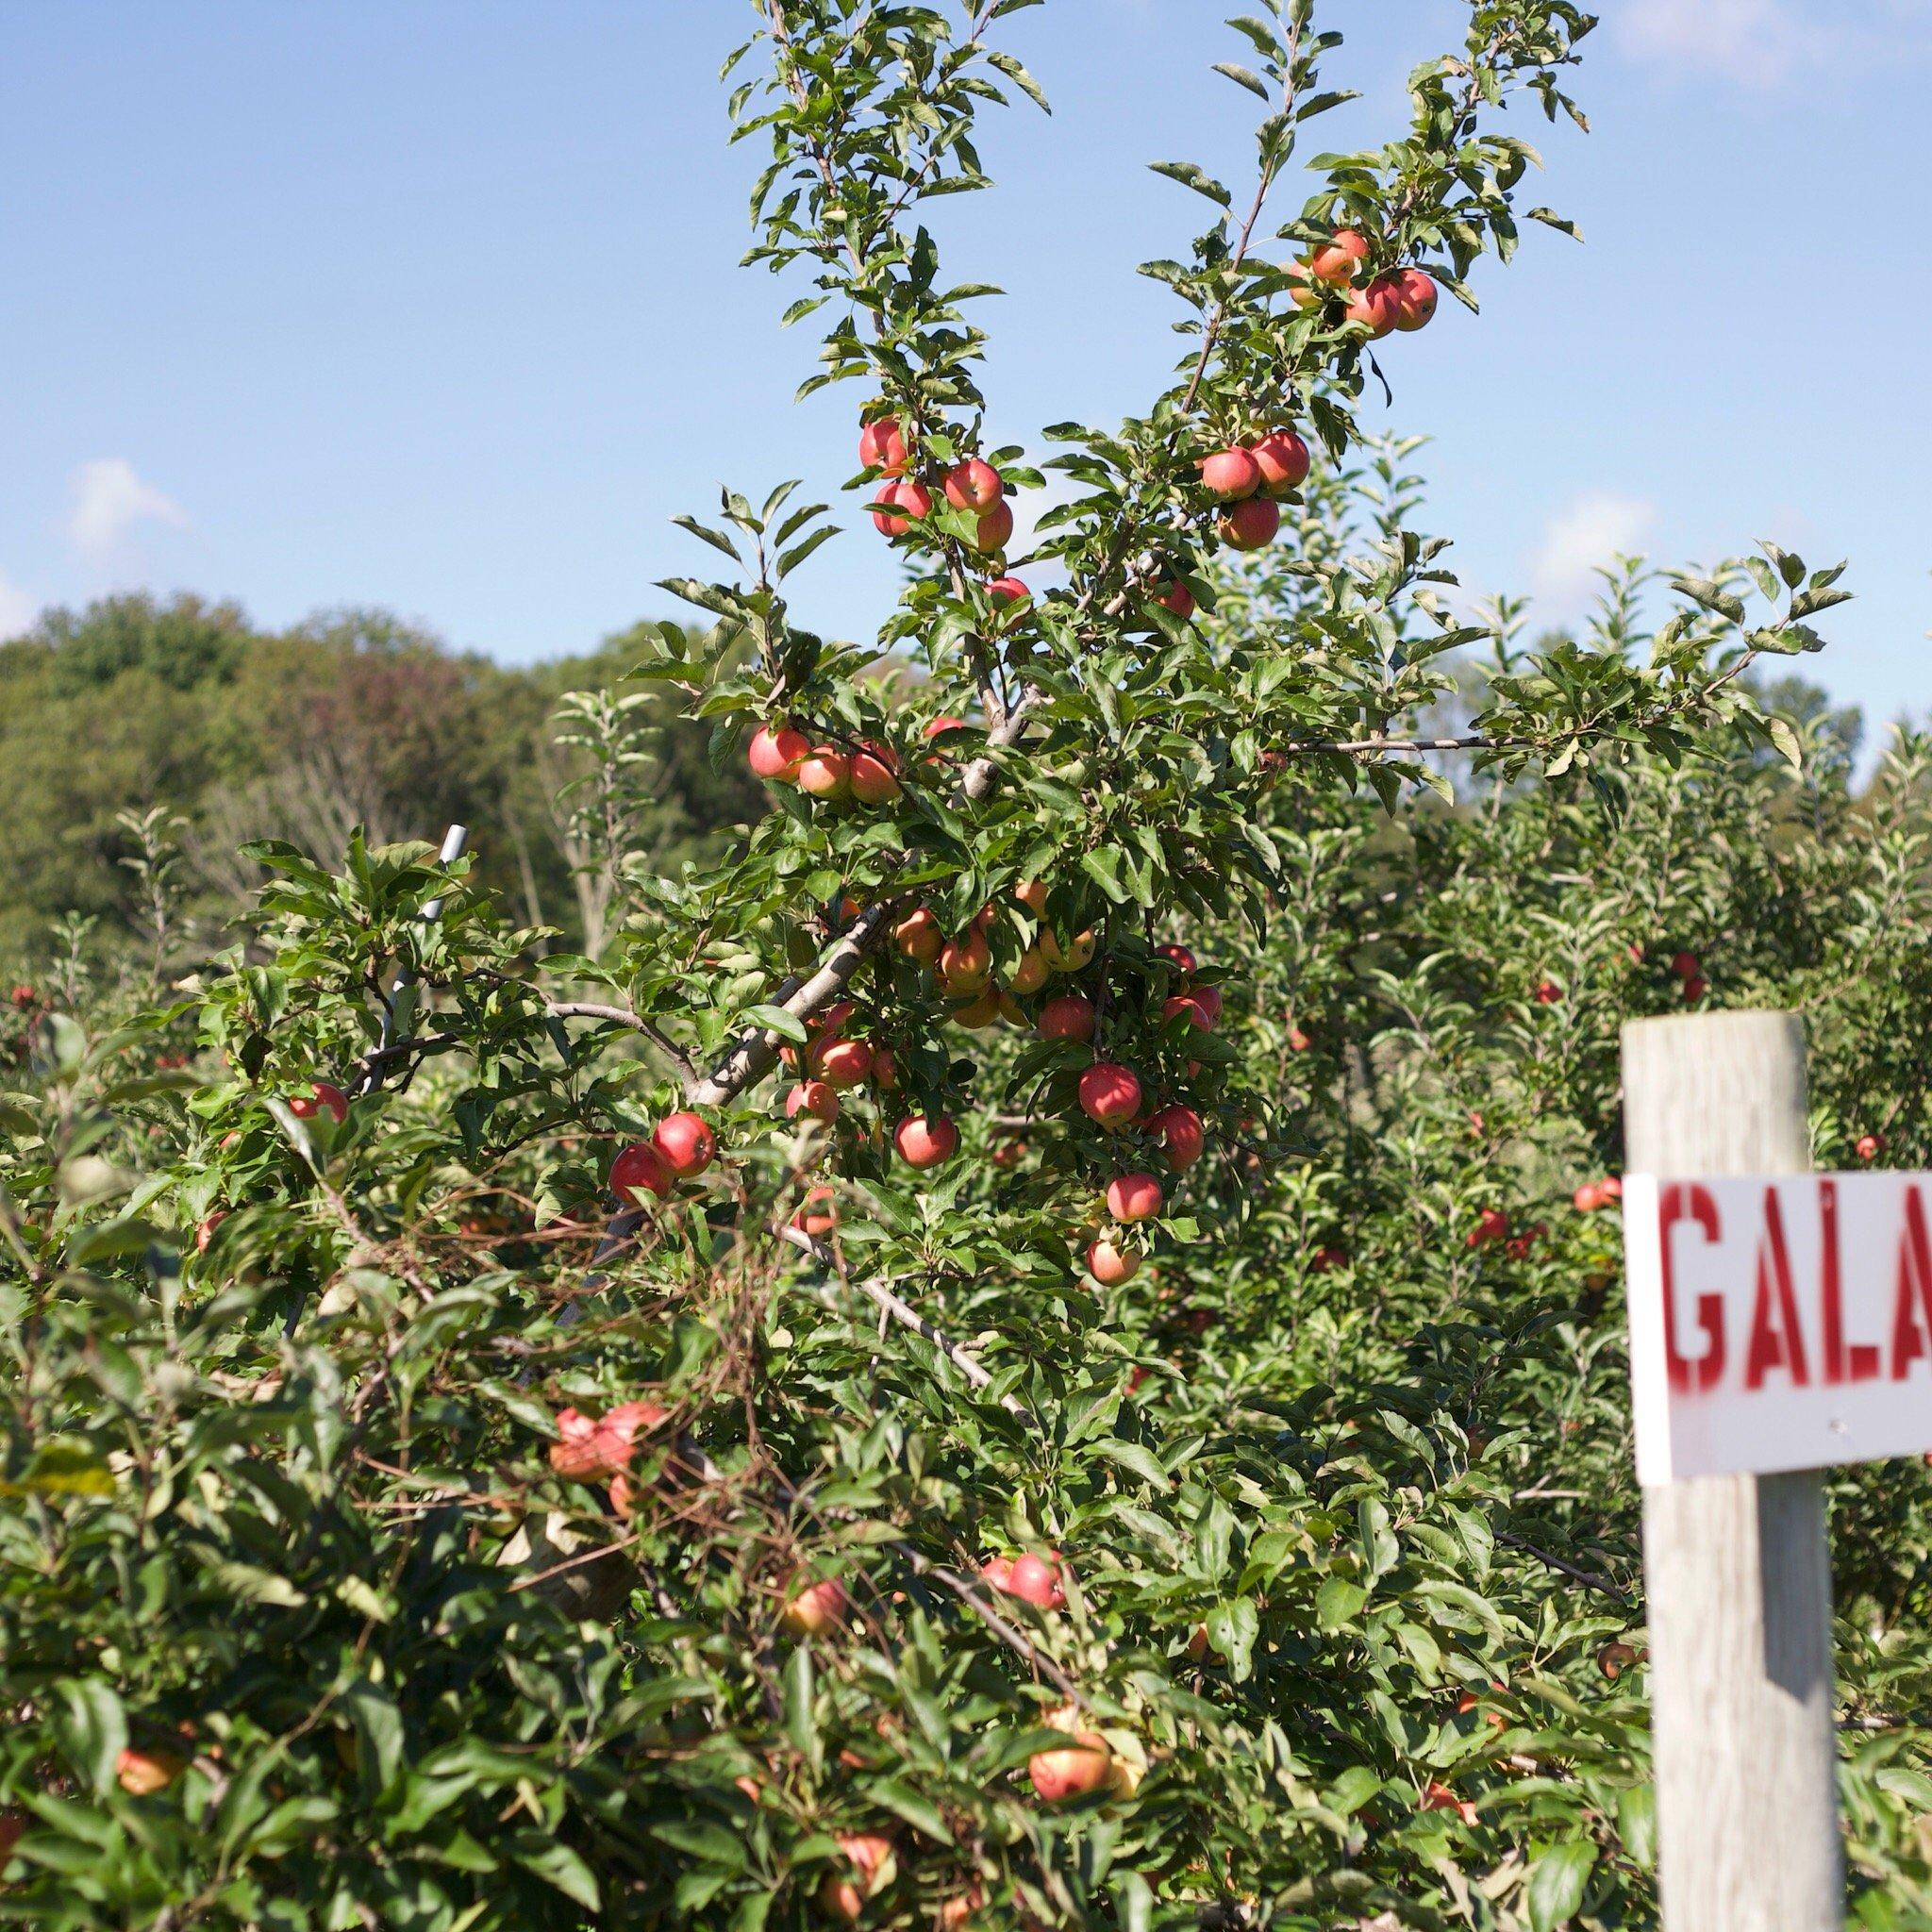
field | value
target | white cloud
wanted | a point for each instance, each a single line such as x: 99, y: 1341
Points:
x: 109, y: 501
x: 1591, y: 531
x: 1754, y: 42
x: 17, y: 610
x: 1760, y: 44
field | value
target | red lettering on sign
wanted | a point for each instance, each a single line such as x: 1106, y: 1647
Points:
x: 1860, y: 1364
x: 1688, y: 1202
x: 1910, y: 1335
x: 1779, y: 1343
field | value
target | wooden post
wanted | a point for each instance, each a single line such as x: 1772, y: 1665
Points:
x: 1736, y: 1566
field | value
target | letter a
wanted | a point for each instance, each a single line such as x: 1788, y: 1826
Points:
x: 1910, y: 1337
x: 1779, y: 1344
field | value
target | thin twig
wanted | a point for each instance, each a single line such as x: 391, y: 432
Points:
x: 1587, y: 1578
x: 622, y: 1016
x: 906, y: 1316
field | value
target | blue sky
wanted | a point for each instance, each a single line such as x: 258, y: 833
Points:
x: 437, y: 306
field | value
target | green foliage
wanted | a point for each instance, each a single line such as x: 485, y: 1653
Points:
x: 404, y: 1529
x: 352, y: 719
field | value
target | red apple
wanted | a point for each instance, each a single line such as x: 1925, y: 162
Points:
x: 1133, y: 1197
x: 973, y: 485
x: 1548, y: 994
x: 917, y: 936
x: 1181, y: 1134
x: 1587, y: 1198
x: 815, y: 1608
x: 841, y: 1062
x: 1230, y: 475
x: 143, y: 1773
x: 1870, y: 1146
x: 827, y: 772
x: 1492, y: 1225
x: 1030, y: 973
x: 884, y: 1069
x: 1175, y: 597
x: 1070, y: 957
x: 1251, y: 525
x: 686, y: 1145
x: 1110, y: 1094
x: 1179, y: 957
x: 205, y: 1229
x: 320, y: 1096
x: 1071, y: 1770
x: 995, y: 528
x: 981, y: 1010
x: 939, y: 726
x: 818, y: 1213
x: 1610, y: 1188
x: 1032, y: 893
x: 1376, y: 307
x: 639, y: 1169
x: 775, y: 755
x: 1415, y: 299
x: 873, y: 774
x: 1010, y: 591
x: 998, y: 1571
x: 1685, y: 965
x: 1282, y: 458
x: 965, y: 964
x: 898, y: 504
x: 1197, y: 1011
x: 1069, y: 1016
x: 923, y: 1141
x: 1337, y: 263
x: 882, y: 446
x: 844, y: 1898
x: 1111, y: 1265
x: 1036, y: 1580
x: 1694, y: 988
x: 818, y: 1098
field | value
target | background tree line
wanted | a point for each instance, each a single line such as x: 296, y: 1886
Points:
x: 353, y: 717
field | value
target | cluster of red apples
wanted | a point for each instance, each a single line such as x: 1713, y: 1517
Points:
x: 1084, y: 1766
x: 1400, y: 299
x: 971, y: 485
x: 680, y: 1148
x: 843, y: 1054
x: 1248, y: 480
x: 840, y: 1056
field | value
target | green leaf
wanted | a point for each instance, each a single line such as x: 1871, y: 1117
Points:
x: 554, y: 1862
x: 1557, y: 1881
x: 1243, y: 76
x: 91, y: 1728
x: 1338, y: 1601
x: 1190, y: 175
x: 998, y: 58
x: 775, y: 1019
x: 64, y: 1467
x: 1131, y: 1456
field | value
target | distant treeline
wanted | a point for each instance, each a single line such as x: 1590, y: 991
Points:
x: 353, y: 718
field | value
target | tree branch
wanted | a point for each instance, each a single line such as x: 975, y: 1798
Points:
x: 908, y: 1317
x: 622, y: 1016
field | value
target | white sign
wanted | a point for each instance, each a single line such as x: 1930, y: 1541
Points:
x: 1778, y: 1322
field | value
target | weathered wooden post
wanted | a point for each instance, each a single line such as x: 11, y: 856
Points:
x: 1737, y: 1580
